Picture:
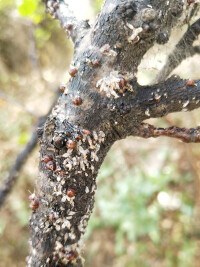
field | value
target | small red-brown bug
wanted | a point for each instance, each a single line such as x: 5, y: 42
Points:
x: 71, y: 144
x: 190, y: 2
x: 62, y: 87
x: 34, y: 205
x: 34, y: 201
x: 96, y: 62
x: 71, y: 255
x: 70, y: 192
x: 72, y: 72
x: 77, y: 101
x: 157, y: 97
x: 78, y: 136
x: 51, y: 165
x: 122, y: 83
x: 190, y: 82
x: 68, y: 27
x: 86, y: 132
x: 46, y: 159
x: 62, y: 173
x: 52, y: 217
x: 58, y: 141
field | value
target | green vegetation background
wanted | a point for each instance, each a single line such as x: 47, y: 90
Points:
x: 147, y: 209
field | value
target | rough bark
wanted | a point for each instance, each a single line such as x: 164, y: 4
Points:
x: 183, y: 49
x: 101, y: 103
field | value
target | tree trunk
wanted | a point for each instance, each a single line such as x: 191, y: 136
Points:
x: 101, y: 103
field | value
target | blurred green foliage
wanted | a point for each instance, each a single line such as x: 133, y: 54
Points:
x: 32, y: 9
x: 5, y: 4
x: 128, y: 203
x: 97, y: 5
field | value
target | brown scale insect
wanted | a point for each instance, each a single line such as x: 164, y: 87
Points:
x: 96, y: 62
x: 46, y: 159
x: 77, y: 101
x: 68, y: 27
x: 71, y: 255
x: 72, y: 72
x: 51, y: 165
x: 157, y: 97
x: 34, y: 202
x: 190, y: 2
x: 71, y: 144
x: 86, y: 132
x: 70, y: 192
x: 78, y: 136
x: 58, y: 141
x: 62, y: 87
x: 122, y: 83
x: 52, y: 217
x: 190, y: 82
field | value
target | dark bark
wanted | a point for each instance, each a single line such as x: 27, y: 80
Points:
x: 191, y: 135
x: 102, y: 103
x: 183, y: 50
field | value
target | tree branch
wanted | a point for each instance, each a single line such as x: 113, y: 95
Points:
x: 101, y: 103
x: 173, y: 95
x: 60, y: 10
x: 191, y: 135
x: 144, y: 102
x: 182, y: 50
x: 9, y: 182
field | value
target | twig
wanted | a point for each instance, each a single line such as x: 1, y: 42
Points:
x: 182, y: 50
x: 9, y: 182
x: 191, y: 135
x: 60, y: 10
